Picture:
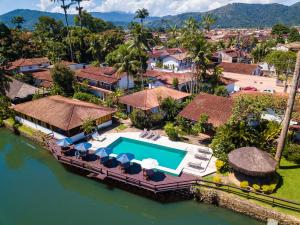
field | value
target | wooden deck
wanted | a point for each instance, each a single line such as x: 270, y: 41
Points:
x: 159, y: 182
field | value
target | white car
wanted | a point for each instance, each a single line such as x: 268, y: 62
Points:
x: 271, y: 91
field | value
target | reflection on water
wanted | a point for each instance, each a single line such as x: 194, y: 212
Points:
x: 35, y: 190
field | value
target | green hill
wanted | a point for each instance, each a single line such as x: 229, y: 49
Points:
x: 234, y: 15
x: 239, y: 15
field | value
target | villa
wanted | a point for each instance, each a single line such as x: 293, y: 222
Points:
x: 217, y: 108
x: 29, y: 65
x: 20, y: 92
x: 174, y: 59
x: 149, y: 99
x: 103, y: 80
x: 62, y: 117
x: 159, y: 78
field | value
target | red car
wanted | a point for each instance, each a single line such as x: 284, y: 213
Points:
x: 249, y: 89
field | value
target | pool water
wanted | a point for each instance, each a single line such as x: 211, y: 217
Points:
x: 166, y: 157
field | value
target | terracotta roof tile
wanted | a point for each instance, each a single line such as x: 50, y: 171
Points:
x: 218, y: 109
x: 239, y: 68
x: 148, y: 99
x: 62, y: 112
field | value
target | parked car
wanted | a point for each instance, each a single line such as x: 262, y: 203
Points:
x: 249, y: 89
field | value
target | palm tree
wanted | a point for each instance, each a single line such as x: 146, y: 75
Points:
x: 141, y: 14
x: 139, y: 43
x: 126, y: 64
x: 207, y: 21
x: 65, y: 7
x: 18, y: 21
x: 289, y: 110
x: 79, y: 8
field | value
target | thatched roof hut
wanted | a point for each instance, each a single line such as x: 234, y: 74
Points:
x: 252, y: 161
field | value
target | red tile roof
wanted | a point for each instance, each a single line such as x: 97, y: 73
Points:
x: 102, y: 74
x: 148, y: 99
x: 28, y: 62
x: 44, y: 76
x: 61, y: 112
x: 218, y: 109
x: 168, y: 77
x: 239, y: 68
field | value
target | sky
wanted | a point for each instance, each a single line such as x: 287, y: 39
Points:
x: 155, y: 7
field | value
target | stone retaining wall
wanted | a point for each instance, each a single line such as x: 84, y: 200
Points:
x: 237, y: 204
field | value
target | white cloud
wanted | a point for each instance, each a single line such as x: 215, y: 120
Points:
x: 156, y: 8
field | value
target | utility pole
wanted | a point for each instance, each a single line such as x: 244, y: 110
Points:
x: 289, y: 110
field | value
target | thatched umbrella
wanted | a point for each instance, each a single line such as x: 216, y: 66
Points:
x: 252, y: 161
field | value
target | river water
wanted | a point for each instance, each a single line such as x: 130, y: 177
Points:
x: 37, y: 190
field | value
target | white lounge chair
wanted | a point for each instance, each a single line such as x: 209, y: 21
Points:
x: 202, y: 156
x: 196, y: 165
x: 144, y: 133
x: 155, y: 137
x: 204, y: 150
x: 149, y: 135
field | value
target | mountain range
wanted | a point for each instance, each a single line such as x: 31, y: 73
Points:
x: 235, y: 15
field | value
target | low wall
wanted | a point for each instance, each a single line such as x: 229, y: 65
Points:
x: 237, y: 204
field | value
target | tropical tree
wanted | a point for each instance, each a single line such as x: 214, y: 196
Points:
x: 284, y: 63
x: 141, y: 14
x: 140, y: 44
x: 88, y: 126
x: 18, y: 21
x: 4, y: 80
x: 63, y: 79
x: 260, y: 52
x: 207, y: 21
x: 170, y: 107
x: 294, y: 35
x: 65, y: 8
x: 79, y: 8
x: 125, y: 61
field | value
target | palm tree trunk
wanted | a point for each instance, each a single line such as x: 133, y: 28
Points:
x: 68, y: 30
x: 289, y: 110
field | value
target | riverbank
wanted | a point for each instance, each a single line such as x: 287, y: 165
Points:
x: 244, y: 206
x: 229, y: 201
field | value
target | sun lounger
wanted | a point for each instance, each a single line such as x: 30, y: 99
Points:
x: 144, y: 133
x: 149, y: 135
x: 201, y: 156
x: 155, y: 137
x: 204, y: 150
x: 195, y: 165
x: 101, y: 138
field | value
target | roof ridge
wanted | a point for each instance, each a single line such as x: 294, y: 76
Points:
x: 71, y: 116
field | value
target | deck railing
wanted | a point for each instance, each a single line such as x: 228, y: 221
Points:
x: 179, y: 185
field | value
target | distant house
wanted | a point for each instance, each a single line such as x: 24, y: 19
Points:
x: 20, y: 92
x: 62, y: 117
x: 174, y: 59
x: 157, y: 78
x: 43, y: 77
x: 242, y: 68
x: 29, y: 65
x: 104, y: 79
x: 217, y: 108
x: 149, y: 99
x: 234, y: 56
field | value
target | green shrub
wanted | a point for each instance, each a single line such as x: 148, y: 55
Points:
x: 1, y: 123
x: 292, y: 153
x: 244, y: 184
x: 87, y: 98
x: 141, y: 119
x: 172, y: 131
x: 256, y: 187
x: 220, y: 166
x: 121, y: 115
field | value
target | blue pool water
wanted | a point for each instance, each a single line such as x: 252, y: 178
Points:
x: 166, y: 157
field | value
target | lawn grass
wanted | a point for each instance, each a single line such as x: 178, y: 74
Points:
x: 121, y: 127
x: 22, y: 128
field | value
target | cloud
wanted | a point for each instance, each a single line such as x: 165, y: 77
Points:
x: 156, y: 8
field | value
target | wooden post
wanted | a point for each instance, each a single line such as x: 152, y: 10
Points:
x: 288, y: 113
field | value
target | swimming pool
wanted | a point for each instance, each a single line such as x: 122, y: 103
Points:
x: 167, y: 157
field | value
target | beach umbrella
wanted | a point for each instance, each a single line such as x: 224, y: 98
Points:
x: 83, y: 147
x: 103, y: 152
x: 149, y: 164
x: 124, y: 158
x: 65, y: 142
